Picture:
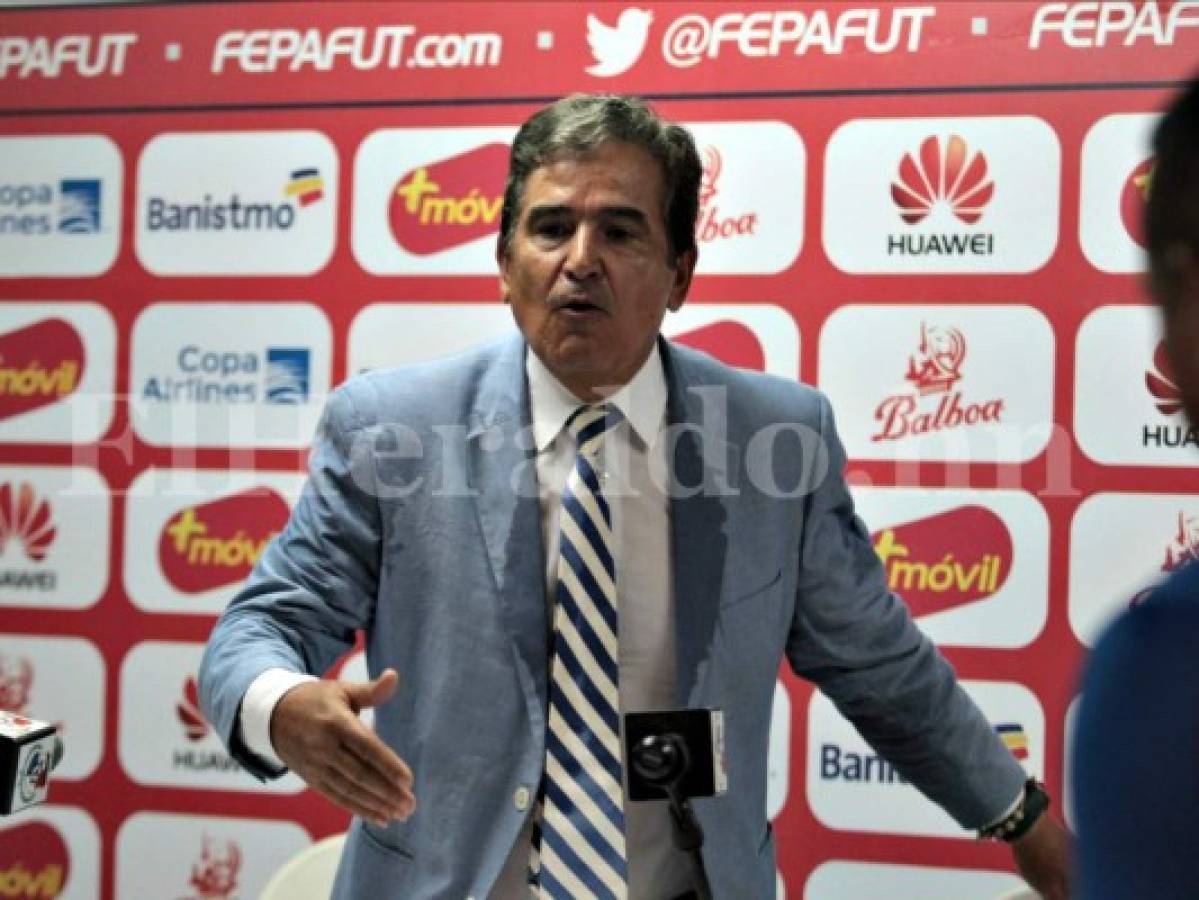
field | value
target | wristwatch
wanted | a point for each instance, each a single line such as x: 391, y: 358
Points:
x: 1017, y: 823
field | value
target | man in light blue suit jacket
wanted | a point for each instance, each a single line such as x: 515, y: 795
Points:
x: 422, y: 523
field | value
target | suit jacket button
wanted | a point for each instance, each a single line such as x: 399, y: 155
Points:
x: 521, y: 799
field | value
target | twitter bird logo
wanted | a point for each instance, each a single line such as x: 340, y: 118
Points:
x: 616, y: 48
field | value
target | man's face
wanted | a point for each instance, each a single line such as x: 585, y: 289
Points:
x: 588, y: 269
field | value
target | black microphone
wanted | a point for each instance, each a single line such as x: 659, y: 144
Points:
x: 29, y: 750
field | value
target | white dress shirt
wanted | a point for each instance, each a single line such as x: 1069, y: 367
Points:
x: 633, y: 464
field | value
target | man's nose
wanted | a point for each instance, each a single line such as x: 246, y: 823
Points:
x: 582, y: 259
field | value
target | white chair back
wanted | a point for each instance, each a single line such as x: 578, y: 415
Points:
x: 309, y: 874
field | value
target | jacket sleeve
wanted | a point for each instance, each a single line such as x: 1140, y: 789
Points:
x: 856, y: 641
x: 313, y: 586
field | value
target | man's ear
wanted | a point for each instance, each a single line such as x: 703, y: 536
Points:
x: 501, y: 261
x: 684, y: 268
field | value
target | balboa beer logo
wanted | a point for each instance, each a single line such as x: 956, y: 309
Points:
x: 208, y: 546
x: 16, y: 682
x: 712, y: 225
x: 1184, y: 547
x: 947, y: 560
x: 27, y: 527
x: 40, y: 364
x: 34, y: 862
x: 934, y: 403
x: 214, y: 876
x: 450, y: 202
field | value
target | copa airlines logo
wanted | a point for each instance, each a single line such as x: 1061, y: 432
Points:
x: 1135, y: 197
x: 449, y: 202
x: 16, y: 682
x: 215, y: 873
x: 947, y: 560
x: 1127, y: 403
x: 40, y: 364
x: 220, y: 377
x: 616, y: 48
x: 255, y: 203
x: 942, y: 195
x: 934, y: 404
x: 34, y: 862
x: 195, y: 726
x: 208, y: 546
x: 59, y: 204
x: 68, y: 206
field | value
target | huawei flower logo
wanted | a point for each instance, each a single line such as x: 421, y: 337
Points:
x: 1161, y: 383
x: 26, y: 518
x: 952, y: 176
x: 188, y: 711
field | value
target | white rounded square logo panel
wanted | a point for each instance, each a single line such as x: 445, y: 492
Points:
x: 229, y: 374
x: 164, y: 738
x: 938, y: 382
x: 427, y: 201
x: 192, y: 857
x: 851, y: 788
x: 1121, y: 545
x: 953, y: 195
x: 57, y: 372
x: 972, y: 565
x: 60, y: 205
x: 193, y: 536
x: 237, y: 203
x: 54, y: 536
x: 58, y: 680
x: 844, y: 880
x: 50, y: 851
x: 760, y: 337
x: 1127, y: 403
x: 1117, y: 171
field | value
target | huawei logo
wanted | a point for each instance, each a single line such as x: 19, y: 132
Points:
x: 188, y: 711
x: 937, y: 364
x: 951, y: 176
x: 1161, y: 383
x: 26, y: 518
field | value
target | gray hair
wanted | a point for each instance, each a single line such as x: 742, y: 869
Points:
x: 576, y: 125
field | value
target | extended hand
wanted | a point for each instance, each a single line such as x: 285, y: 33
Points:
x: 1043, y: 858
x: 316, y: 731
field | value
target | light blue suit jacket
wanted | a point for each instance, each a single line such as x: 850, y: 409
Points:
x: 420, y: 524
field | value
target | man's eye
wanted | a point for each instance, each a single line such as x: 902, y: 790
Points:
x: 552, y: 230
x: 616, y: 233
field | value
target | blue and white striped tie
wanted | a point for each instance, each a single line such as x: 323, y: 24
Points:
x: 579, y: 842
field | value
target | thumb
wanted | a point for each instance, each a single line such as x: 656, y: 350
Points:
x: 372, y: 693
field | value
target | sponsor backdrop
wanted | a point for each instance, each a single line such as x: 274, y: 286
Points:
x: 212, y: 213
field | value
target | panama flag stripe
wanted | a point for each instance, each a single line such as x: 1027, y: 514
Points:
x: 580, y: 845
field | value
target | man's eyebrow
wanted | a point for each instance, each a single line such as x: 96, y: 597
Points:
x: 549, y: 210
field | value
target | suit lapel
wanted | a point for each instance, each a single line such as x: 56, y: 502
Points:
x: 698, y: 518
x: 503, y: 473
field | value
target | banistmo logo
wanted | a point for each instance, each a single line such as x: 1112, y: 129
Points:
x: 303, y: 188
x: 934, y: 371
x: 938, y: 180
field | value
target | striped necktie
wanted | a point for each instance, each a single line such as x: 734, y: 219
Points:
x: 579, y: 842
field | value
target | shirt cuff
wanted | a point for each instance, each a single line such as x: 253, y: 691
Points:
x: 1003, y: 815
x: 258, y: 705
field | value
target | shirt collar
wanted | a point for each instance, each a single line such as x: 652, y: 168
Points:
x: 642, y: 401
